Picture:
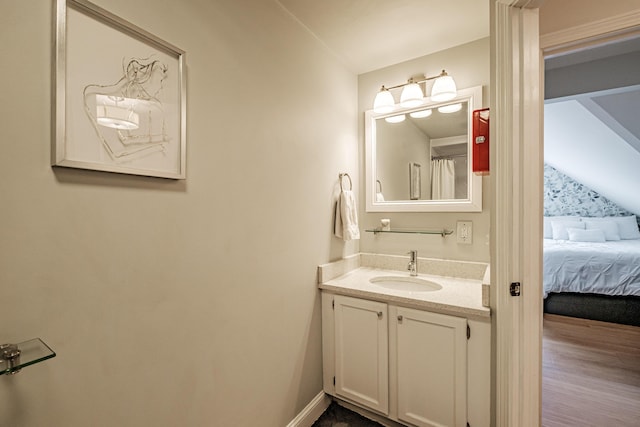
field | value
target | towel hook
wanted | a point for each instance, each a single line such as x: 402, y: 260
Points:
x: 342, y: 175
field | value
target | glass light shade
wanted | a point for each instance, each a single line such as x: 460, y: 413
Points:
x: 384, y: 102
x: 395, y: 119
x: 452, y: 108
x: 421, y: 114
x: 411, y: 96
x: 444, y: 89
x: 117, y: 117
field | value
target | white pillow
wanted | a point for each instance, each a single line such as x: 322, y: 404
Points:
x: 627, y: 226
x: 580, y: 235
x: 609, y: 227
x: 548, y: 230
x: 560, y: 228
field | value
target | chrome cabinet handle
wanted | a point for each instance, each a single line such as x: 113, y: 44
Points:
x: 379, y: 315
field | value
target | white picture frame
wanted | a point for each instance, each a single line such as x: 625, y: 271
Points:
x: 415, y: 184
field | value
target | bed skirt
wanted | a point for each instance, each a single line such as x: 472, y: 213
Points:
x: 615, y: 309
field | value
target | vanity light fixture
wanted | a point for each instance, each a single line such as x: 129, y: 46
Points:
x: 411, y: 95
x: 451, y: 108
x: 421, y: 114
x: 444, y: 89
x: 395, y: 119
x: 384, y: 102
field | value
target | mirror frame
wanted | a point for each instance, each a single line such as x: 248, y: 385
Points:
x: 473, y: 202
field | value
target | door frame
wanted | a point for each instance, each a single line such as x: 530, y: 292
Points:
x: 516, y: 212
x: 517, y: 156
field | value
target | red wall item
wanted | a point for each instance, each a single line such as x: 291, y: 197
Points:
x: 480, y: 156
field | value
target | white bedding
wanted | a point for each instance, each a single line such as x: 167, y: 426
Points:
x: 611, y: 268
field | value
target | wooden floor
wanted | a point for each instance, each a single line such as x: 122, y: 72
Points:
x: 591, y: 373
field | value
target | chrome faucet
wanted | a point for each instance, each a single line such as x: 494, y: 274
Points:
x: 413, y: 263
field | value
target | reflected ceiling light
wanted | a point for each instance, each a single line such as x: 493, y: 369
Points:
x: 444, y: 89
x: 421, y: 114
x: 452, y: 108
x: 116, y: 112
x: 395, y: 119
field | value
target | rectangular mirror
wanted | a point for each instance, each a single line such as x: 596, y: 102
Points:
x: 419, y: 159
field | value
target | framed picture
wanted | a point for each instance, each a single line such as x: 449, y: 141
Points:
x: 120, y: 95
x: 414, y: 181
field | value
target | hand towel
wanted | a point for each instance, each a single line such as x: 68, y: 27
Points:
x: 346, y: 225
x: 379, y: 197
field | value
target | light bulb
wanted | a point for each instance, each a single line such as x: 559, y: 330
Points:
x: 384, y: 102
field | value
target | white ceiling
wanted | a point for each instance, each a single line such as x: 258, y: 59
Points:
x: 367, y: 35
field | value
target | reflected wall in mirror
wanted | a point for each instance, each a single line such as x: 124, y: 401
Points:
x: 419, y: 159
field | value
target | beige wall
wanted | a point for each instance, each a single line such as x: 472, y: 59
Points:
x: 469, y: 66
x: 176, y: 303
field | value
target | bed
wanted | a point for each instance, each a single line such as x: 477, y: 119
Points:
x: 591, y: 268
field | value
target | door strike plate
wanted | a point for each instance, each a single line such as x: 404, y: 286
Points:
x: 514, y: 289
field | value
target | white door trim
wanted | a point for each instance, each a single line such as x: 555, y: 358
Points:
x: 517, y: 157
x: 516, y: 212
x: 597, y: 32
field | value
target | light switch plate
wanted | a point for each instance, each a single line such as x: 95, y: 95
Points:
x: 464, y: 232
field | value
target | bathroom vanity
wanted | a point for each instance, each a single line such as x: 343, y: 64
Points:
x: 413, y: 349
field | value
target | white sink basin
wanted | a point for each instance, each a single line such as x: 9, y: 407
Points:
x: 405, y: 283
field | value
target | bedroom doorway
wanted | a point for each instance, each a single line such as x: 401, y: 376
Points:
x: 590, y: 349
x: 591, y: 158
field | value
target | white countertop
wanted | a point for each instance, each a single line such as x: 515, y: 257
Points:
x: 461, y: 297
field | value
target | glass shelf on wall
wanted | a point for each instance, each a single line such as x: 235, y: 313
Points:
x: 443, y: 232
x: 14, y: 357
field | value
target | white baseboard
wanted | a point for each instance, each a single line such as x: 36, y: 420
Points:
x: 312, y: 411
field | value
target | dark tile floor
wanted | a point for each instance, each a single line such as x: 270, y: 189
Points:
x: 337, y: 416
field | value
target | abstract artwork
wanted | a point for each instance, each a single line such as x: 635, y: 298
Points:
x: 120, y: 96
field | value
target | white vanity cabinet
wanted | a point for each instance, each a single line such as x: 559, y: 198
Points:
x: 413, y: 366
x: 428, y: 353
x: 361, y: 355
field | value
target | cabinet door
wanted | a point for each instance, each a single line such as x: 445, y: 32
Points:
x: 361, y: 345
x: 431, y: 368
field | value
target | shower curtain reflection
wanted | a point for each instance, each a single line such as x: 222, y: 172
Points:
x: 443, y: 179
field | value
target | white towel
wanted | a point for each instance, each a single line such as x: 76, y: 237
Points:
x: 379, y: 197
x: 346, y: 226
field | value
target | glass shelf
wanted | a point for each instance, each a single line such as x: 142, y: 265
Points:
x: 14, y: 357
x: 443, y: 232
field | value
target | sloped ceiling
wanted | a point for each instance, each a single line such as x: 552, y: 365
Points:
x: 592, y: 119
x: 367, y: 35
x: 581, y: 146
